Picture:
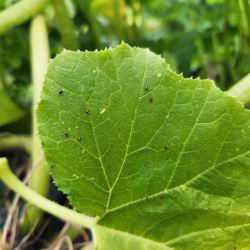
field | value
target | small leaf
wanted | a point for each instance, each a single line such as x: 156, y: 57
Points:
x: 173, y: 173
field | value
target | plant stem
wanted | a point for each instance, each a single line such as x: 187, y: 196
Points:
x: 87, y: 12
x: 57, y: 210
x: 228, y: 59
x: 90, y: 246
x: 201, y: 53
x: 216, y: 45
x: 198, y: 42
x: 241, y: 90
x: 19, y: 13
x: 65, y: 25
x: 136, y: 5
x: 3, y: 82
x: 39, y: 60
x: 21, y: 141
x: 119, y: 28
x: 242, y: 40
x: 246, y: 10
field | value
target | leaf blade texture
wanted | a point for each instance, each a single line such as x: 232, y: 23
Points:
x: 164, y: 167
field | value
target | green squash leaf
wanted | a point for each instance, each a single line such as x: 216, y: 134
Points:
x: 170, y: 173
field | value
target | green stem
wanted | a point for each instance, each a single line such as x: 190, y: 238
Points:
x: 198, y: 42
x: 242, y: 31
x: 245, y: 35
x: 241, y: 90
x: 21, y: 141
x: 201, y: 53
x: 86, y: 9
x: 3, y: 81
x: 246, y: 10
x: 228, y: 59
x: 29, y: 195
x: 39, y: 61
x: 118, y: 21
x: 216, y: 45
x: 97, y: 32
x: 19, y: 13
x: 136, y: 5
x: 90, y: 246
x: 65, y: 25
x: 73, y: 231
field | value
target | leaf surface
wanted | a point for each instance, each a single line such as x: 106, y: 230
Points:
x: 163, y: 168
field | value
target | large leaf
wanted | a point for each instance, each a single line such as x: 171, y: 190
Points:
x: 170, y: 173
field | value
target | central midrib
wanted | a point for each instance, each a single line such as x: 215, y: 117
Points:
x: 132, y: 125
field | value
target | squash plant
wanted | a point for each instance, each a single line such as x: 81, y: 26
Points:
x: 149, y: 159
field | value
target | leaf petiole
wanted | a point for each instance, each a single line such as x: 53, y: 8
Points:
x: 19, y: 13
x: 29, y: 195
x: 241, y: 90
